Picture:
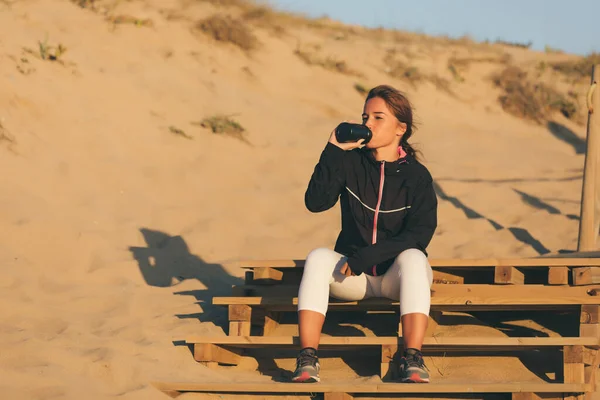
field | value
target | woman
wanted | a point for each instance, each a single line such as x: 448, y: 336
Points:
x: 389, y: 215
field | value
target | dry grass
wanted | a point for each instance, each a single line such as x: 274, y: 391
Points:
x: 6, y: 137
x: 311, y: 56
x: 224, y: 125
x: 514, y: 44
x: 459, y: 66
x: 128, y: 19
x: 179, y: 132
x: 228, y: 30
x: 579, y: 69
x: 85, y: 3
x: 403, y: 71
x: 533, y: 101
x: 363, y: 91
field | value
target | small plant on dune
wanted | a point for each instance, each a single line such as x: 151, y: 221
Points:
x: 5, y: 136
x: 440, y: 83
x: 227, y: 3
x: 267, y: 18
x: 310, y: 55
x: 515, y: 44
x: 224, y: 125
x: 579, y: 69
x: 51, y: 53
x: 361, y: 89
x: 179, y: 132
x: 552, y: 50
x: 230, y: 30
x: 409, y: 73
x: 128, y: 19
x: 533, y: 101
x: 458, y: 66
x: 85, y: 3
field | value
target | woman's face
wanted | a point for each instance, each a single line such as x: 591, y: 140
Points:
x: 383, y: 123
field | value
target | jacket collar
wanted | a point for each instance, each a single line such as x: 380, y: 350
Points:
x: 405, y: 158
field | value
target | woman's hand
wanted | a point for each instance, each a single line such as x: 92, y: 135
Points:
x: 345, y: 270
x: 346, y: 146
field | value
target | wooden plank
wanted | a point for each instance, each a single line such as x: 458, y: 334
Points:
x: 590, y: 314
x: 558, y: 276
x: 589, y: 330
x: 213, y: 353
x: 452, y: 262
x: 573, y: 364
x: 507, y: 275
x: 525, y: 396
x: 239, y: 328
x: 356, y: 388
x: 269, y: 275
x: 586, y: 275
x: 464, y: 295
x: 390, y: 341
x: 338, y: 396
x: 239, y: 312
x: 271, y: 322
x: 589, y: 356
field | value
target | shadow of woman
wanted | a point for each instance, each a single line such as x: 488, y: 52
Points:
x: 166, y: 261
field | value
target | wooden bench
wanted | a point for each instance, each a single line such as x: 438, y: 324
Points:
x: 552, y: 271
x: 264, y: 310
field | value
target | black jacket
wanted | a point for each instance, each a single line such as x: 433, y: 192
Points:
x: 406, y: 213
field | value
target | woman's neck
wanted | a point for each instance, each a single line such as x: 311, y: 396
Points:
x: 387, y: 154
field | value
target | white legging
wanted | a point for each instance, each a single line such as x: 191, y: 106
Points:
x: 409, y: 280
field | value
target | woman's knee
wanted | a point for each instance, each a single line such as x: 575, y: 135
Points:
x: 414, y: 261
x: 323, y: 260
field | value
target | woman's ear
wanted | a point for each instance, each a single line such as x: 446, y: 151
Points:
x: 401, y: 129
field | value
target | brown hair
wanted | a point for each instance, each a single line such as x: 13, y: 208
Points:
x: 402, y: 109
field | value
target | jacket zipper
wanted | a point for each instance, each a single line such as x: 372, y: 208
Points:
x: 379, y: 197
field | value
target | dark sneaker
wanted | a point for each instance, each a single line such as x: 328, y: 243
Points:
x: 307, y: 367
x: 411, y: 368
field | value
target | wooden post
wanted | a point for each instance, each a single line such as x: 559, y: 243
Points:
x: 558, y: 276
x: 573, y: 364
x: 590, y: 213
x: 239, y: 319
x: 589, y: 317
x: 507, y: 275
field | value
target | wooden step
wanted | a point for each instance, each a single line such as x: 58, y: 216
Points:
x: 553, y: 271
x: 451, y: 262
x: 430, y: 343
x: 465, y: 296
x: 346, y: 390
x: 579, y: 354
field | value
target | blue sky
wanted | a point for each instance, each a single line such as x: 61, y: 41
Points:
x: 572, y: 26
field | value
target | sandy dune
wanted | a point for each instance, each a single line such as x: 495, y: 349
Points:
x: 116, y: 232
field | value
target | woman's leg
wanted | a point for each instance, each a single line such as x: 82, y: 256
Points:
x: 321, y: 271
x: 321, y: 277
x: 409, y: 279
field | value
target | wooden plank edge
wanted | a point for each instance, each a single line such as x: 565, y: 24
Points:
x: 365, y: 388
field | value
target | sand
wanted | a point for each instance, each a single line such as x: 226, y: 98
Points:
x: 115, y: 232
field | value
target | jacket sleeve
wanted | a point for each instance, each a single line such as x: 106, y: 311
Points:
x: 327, y: 180
x: 420, y: 224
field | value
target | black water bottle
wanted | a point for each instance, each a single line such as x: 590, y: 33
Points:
x: 349, y: 132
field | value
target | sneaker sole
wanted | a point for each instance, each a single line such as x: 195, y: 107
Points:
x: 306, y: 378
x: 415, y: 378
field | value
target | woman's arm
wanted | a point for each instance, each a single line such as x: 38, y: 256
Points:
x: 329, y: 177
x: 327, y: 181
x: 418, y: 230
